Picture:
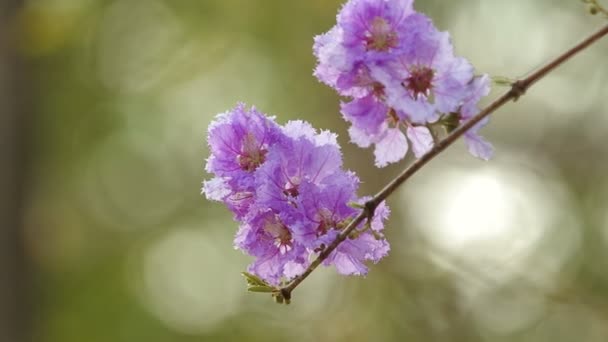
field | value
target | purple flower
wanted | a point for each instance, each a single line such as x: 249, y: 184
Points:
x: 307, y: 157
x: 400, y: 73
x: 427, y: 80
x: 326, y: 212
x: 267, y: 237
x: 287, y: 188
x: 368, y: 32
x: 374, y: 29
x: 238, y: 141
x: 326, y: 208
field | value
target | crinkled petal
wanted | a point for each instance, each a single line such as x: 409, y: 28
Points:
x: 452, y: 85
x: 347, y: 264
x: 478, y: 146
x: 297, y: 128
x: 479, y: 88
x: 326, y: 138
x: 417, y: 111
x: 293, y: 269
x: 350, y: 256
x: 391, y: 148
x: 360, y: 137
x: 367, y: 114
x: 421, y: 138
x: 216, y: 189
x: 381, y: 214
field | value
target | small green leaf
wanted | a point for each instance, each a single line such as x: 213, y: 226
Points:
x: 356, y: 205
x: 264, y: 289
x: 502, y: 81
x: 450, y: 122
x: 253, y: 280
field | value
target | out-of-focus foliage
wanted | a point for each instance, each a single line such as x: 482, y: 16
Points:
x: 126, y: 249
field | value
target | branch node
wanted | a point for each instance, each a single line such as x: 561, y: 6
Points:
x: 518, y: 89
x: 286, y: 294
x: 370, y: 208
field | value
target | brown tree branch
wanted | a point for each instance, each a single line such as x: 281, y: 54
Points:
x: 517, y: 90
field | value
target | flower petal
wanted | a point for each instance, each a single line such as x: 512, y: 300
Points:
x: 421, y: 138
x: 391, y: 148
x: 478, y: 146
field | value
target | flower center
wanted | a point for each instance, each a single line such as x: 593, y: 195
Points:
x: 420, y: 81
x: 326, y: 222
x: 292, y: 191
x: 281, y: 235
x: 252, y: 154
x: 291, y: 188
x: 378, y: 90
x: 380, y: 36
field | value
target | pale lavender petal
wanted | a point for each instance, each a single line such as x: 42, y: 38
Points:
x: 478, y: 146
x: 297, y: 128
x: 391, y: 148
x: 421, y: 138
x: 334, y: 61
x: 268, y: 268
x: 293, y: 269
x: 452, y: 87
x: 347, y: 264
x: 351, y: 254
x: 216, y: 189
x: 360, y: 137
x: 379, y: 248
x: 326, y: 138
x: 479, y: 88
x: 415, y: 111
x: 242, y: 235
x: 381, y: 214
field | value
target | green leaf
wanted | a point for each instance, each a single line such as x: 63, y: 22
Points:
x: 253, y: 280
x: 450, y: 122
x: 356, y: 205
x: 264, y: 289
x: 502, y: 81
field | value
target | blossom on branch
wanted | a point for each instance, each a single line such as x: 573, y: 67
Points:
x: 401, y: 75
x: 287, y: 188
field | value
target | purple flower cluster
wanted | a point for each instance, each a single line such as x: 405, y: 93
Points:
x: 287, y: 188
x: 401, y: 75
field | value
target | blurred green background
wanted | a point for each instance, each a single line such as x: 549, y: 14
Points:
x: 107, y: 238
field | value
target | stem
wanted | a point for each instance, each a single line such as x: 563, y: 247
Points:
x: 598, y: 7
x: 517, y: 90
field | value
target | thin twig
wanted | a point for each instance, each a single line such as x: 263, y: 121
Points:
x: 596, y: 7
x: 517, y: 90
